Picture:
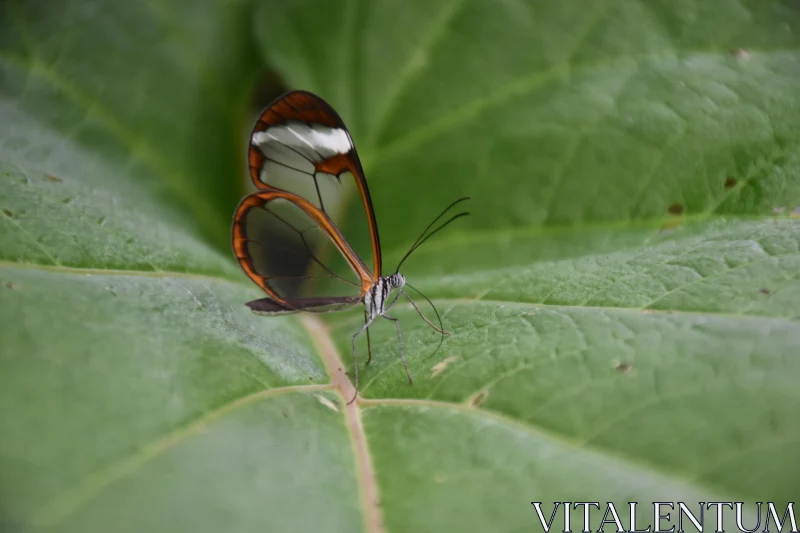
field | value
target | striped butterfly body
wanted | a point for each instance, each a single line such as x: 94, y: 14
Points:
x: 288, y: 235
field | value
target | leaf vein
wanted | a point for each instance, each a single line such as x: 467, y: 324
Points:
x: 70, y: 500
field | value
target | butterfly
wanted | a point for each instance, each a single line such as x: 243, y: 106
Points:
x: 285, y: 236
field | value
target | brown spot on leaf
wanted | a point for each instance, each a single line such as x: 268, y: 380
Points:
x: 730, y: 182
x: 53, y: 178
x: 478, y: 398
x: 741, y: 53
x: 439, y: 367
x: 623, y: 367
x: 676, y: 209
x: 763, y: 291
x: 8, y: 213
x: 11, y: 285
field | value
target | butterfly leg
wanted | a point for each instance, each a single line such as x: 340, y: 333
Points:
x: 369, y: 345
x: 355, y: 358
x: 400, y: 340
x: 396, y: 296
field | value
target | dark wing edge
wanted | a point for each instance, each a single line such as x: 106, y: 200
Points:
x: 309, y: 108
x: 268, y: 306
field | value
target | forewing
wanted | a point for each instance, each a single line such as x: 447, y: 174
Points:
x: 300, y: 145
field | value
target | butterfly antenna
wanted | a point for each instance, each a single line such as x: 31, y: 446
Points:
x: 432, y: 233
x: 423, y: 237
x: 438, y: 317
x: 446, y: 209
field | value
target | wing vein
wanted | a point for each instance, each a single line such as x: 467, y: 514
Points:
x: 308, y: 248
x: 291, y: 130
x: 288, y: 166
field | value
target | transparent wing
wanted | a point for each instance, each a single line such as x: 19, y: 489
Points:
x: 301, y: 145
x: 277, y: 237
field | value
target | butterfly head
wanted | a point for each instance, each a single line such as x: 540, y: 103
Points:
x: 396, y: 280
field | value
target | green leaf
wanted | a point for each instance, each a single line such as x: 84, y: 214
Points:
x: 621, y: 303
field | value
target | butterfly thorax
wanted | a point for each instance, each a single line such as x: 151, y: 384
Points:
x: 376, y: 298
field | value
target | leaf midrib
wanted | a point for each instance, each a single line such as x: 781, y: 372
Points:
x: 70, y: 500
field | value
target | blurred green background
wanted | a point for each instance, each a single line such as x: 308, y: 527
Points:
x: 623, y: 300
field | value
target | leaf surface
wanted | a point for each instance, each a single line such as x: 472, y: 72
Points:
x: 622, y: 302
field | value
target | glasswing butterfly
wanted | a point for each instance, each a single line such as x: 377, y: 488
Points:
x: 303, y: 161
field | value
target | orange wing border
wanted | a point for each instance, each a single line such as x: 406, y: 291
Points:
x: 240, y: 240
x: 308, y: 108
